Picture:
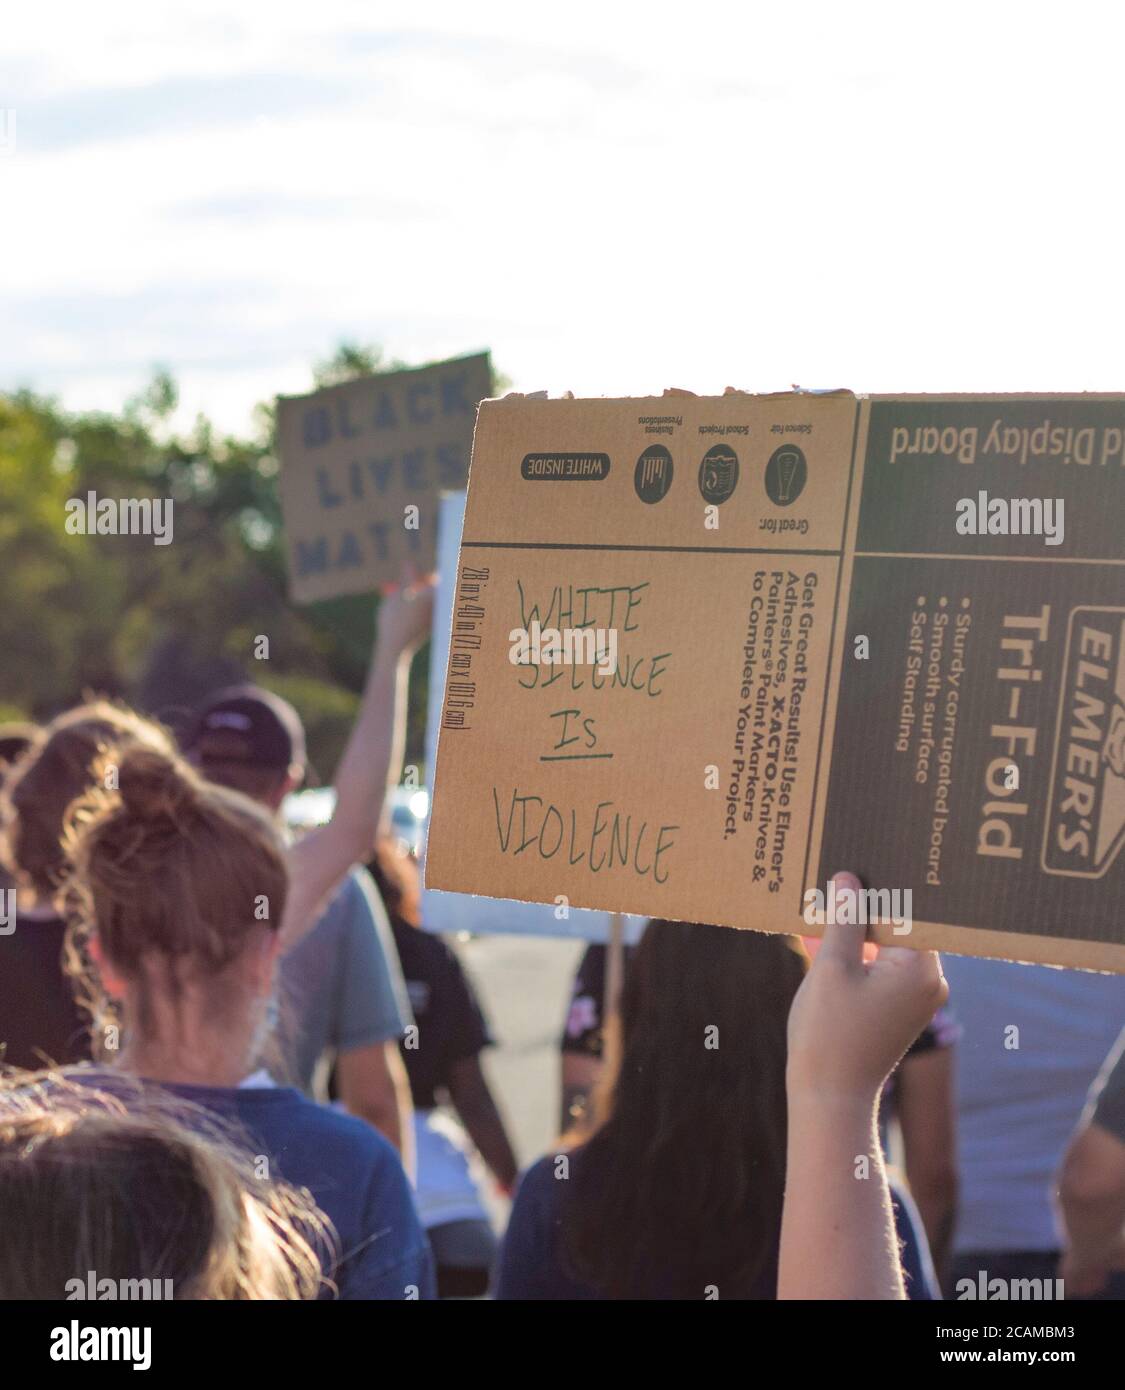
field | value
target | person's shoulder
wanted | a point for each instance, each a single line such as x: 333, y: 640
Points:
x: 423, y: 952
x: 40, y: 936
x: 359, y: 880
x: 354, y: 901
x: 541, y: 1184
x: 362, y: 904
x: 437, y: 951
x: 337, y: 1135
x: 332, y: 1123
x: 365, y: 1165
x: 357, y: 892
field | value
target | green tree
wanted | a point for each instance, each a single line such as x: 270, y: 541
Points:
x: 160, y: 626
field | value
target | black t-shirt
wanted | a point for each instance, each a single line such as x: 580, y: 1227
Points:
x: 40, y: 1023
x: 584, y: 1022
x: 450, y: 1023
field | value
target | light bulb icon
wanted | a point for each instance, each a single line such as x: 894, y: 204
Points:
x: 787, y: 465
x: 786, y: 475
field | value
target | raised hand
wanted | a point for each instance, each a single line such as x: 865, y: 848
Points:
x: 406, y: 612
x: 852, y: 1019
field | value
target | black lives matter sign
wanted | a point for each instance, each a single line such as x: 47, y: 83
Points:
x: 363, y: 465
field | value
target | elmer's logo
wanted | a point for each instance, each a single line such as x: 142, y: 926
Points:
x: 1086, y: 819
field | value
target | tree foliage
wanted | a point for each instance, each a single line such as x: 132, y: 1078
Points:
x: 161, y: 625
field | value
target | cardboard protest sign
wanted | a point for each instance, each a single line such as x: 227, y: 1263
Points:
x: 457, y: 912
x: 362, y: 466
x: 710, y: 651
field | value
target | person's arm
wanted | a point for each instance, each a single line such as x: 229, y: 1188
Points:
x: 1092, y: 1201
x: 850, y: 1023
x: 370, y: 1016
x: 473, y: 1100
x: 1092, y: 1184
x: 924, y: 1101
x: 466, y: 1035
x: 372, y: 758
x: 371, y: 1082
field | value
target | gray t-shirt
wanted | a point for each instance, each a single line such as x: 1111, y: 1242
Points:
x: 1108, y: 1093
x: 341, y: 986
x: 1017, y: 1105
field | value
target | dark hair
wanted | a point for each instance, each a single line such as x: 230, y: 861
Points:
x: 395, y: 872
x: 680, y: 1186
x: 254, y: 780
x: 15, y: 738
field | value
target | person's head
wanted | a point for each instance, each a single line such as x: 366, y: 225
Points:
x: 90, y: 1186
x: 176, y: 892
x: 55, y: 769
x: 250, y: 740
x: 395, y: 871
x: 683, y: 1178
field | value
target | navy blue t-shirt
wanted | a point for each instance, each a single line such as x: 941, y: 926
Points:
x: 533, y: 1263
x: 353, y: 1174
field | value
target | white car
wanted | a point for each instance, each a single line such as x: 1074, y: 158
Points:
x: 410, y: 806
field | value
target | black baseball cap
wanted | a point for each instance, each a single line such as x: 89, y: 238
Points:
x: 246, y: 724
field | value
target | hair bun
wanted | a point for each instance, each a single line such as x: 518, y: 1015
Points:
x: 153, y: 784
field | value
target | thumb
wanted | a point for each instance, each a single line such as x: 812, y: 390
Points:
x: 843, y: 940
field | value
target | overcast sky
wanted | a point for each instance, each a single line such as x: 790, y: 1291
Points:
x: 613, y: 197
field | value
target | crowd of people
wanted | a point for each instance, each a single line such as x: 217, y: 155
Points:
x: 242, y: 1052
